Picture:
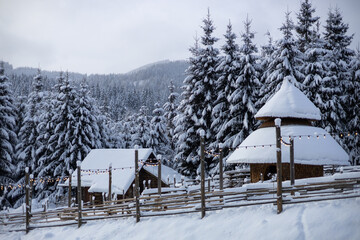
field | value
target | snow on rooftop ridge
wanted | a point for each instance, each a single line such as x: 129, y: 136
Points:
x: 289, y: 102
x: 167, y: 173
x: 119, y: 158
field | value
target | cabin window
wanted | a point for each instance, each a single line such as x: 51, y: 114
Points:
x: 270, y: 172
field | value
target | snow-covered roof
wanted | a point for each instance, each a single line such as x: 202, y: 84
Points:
x: 123, y: 165
x: 167, y: 173
x: 313, y: 151
x: 289, y: 102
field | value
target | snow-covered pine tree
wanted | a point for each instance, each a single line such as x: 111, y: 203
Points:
x: 20, y: 105
x: 285, y: 64
x: 304, y: 27
x: 243, y: 99
x: 28, y: 145
x: 104, y: 129
x: 314, y: 70
x: 159, y: 141
x: 354, y: 124
x: 60, y: 160
x: 184, y: 124
x: 229, y: 70
x: 170, y: 108
x: 338, y: 77
x: 45, y: 130
x: 8, y: 138
x: 128, y: 130
x: 142, y: 128
x: 201, y: 101
x: 267, y: 51
x: 86, y: 132
x: 117, y: 136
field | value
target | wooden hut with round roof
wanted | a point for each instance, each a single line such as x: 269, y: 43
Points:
x: 313, y: 146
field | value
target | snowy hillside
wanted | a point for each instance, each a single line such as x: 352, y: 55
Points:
x: 119, y: 93
x: 337, y: 219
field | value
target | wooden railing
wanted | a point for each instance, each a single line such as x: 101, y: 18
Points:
x: 173, y: 201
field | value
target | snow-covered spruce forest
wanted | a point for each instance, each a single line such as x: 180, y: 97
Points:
x: 49, y: 120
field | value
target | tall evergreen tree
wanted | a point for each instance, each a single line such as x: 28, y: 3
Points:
x: 8, y: 137
x: 267, y: 51
x: 159, y: 140
x: 142, y: 128
x: 354, y: 124
x: 286, y: 61
x: 65, y: 121
x: 45, y: 130
x: 28, y: 145
x: 184, y: 136
x: 86, y: 132
x: 170, y: 108
x: 128, y: 130
x: 201, y: 100
x: 244, y: 98
x: 338, y: 77
x: 314, y: 70
x: 229, y: 70
x: 304, y: 27
x: 59, y: 159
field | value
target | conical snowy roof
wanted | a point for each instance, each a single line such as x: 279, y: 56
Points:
x: 289, y: 102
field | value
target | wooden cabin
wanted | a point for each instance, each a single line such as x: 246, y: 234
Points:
x: 95, y: 175
x: 313, y: 146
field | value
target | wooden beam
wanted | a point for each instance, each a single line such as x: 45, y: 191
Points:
x: 79, y: 191
x: 292, y: 163
x: 69, y: 195
x: 137, y: 184
x: 202, y: 166
x: 278, y: 165
x: 27, y: 210
x: 221, y: 170
x: 110, y: 182
x: 159, y: 174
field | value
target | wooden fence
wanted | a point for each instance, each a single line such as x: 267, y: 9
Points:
x: 184, y: 200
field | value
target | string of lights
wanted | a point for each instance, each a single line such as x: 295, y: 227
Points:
x: 323, y: 135
x: 34, y: 181
x: 300, y: 137
x: 154, y: 161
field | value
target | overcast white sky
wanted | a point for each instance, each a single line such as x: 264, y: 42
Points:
x: 116, y: 36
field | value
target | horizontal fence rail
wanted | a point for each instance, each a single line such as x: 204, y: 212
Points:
x: 185, y: 200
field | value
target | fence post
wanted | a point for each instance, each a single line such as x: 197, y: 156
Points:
x: 202, y: 157
x: 110, y: 182
x: 221, y: 170
x: 27, y: 207
x: 137, y: 184
x: 159, y: 174
x: 78, y: 163
x: 278, y: 165
x: 69, y: 195
x: 292, y: 164
x: 31, y: 191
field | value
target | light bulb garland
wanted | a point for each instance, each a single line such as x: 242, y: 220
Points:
x: 212, y: 152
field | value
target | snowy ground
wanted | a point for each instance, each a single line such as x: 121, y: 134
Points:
x: 338, y: 219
